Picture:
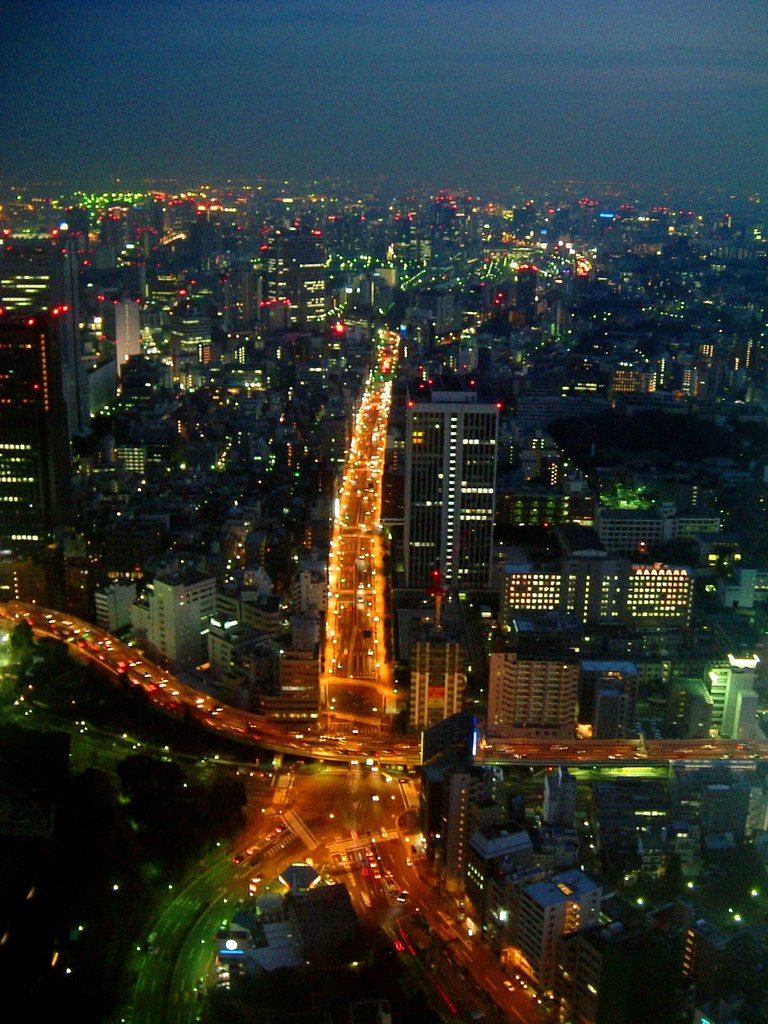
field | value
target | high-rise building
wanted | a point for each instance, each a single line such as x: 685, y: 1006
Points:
x: 660, y: 592
x: 294, y: 269
x: 594, y: 588
x: 438, y: 678
x: 41, y: 276
x: 532, y: 693
x: 525, y: 292
x: 731, y: 684
x: 463, y: 788
x: 35, y: 482
x: 179, y: 607
x: 190, y: 329
x: 113, y: 605
x: 450, y: 470
x: 127, y: 330
x: 241, y: 294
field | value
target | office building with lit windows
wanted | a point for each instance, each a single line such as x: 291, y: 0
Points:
x: 294, y: 272
x: 35, y: 482
x: 659, y: 593
x: 600, y: 591
x: 632, y: 380
x: 527, y: 589
x: 40, y: 276
x: 450, y: 479
x: 624, y: 531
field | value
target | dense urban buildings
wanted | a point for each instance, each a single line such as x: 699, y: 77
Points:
x: 573, y: 491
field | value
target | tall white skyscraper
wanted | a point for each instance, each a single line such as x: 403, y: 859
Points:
x: 450, y: 467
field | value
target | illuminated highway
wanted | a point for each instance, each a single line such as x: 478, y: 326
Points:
x: 172, y: 696
x: 356, y: 681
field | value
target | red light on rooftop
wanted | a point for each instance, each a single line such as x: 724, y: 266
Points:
x: 339, y: 327
x: 411, y: 404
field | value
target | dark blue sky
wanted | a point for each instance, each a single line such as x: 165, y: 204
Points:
x: 454, y: 92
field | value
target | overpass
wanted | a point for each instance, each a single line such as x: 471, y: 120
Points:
x: 168, y: 694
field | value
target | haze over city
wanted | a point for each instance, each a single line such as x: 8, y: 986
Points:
x: 474, y: 94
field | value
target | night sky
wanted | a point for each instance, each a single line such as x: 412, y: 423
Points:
x: 460, y: 93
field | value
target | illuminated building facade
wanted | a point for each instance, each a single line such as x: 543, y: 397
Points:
x: 731, y: 685
x: 527, y: 589
x: 34, y: 448
x: 294, y: 270
x: 180, y: 607
x: 450, y: 477
x: 601, y: 591
x: 659, y: 593
x: 593, y: 588
x: 624, y: 531
x: 631, y: 380
x: 40, y: 277
x: 190, y: 330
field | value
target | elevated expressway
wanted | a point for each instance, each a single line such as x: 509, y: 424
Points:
x: 171, y: 696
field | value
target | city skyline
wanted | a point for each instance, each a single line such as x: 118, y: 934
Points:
x: 475, y: 95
